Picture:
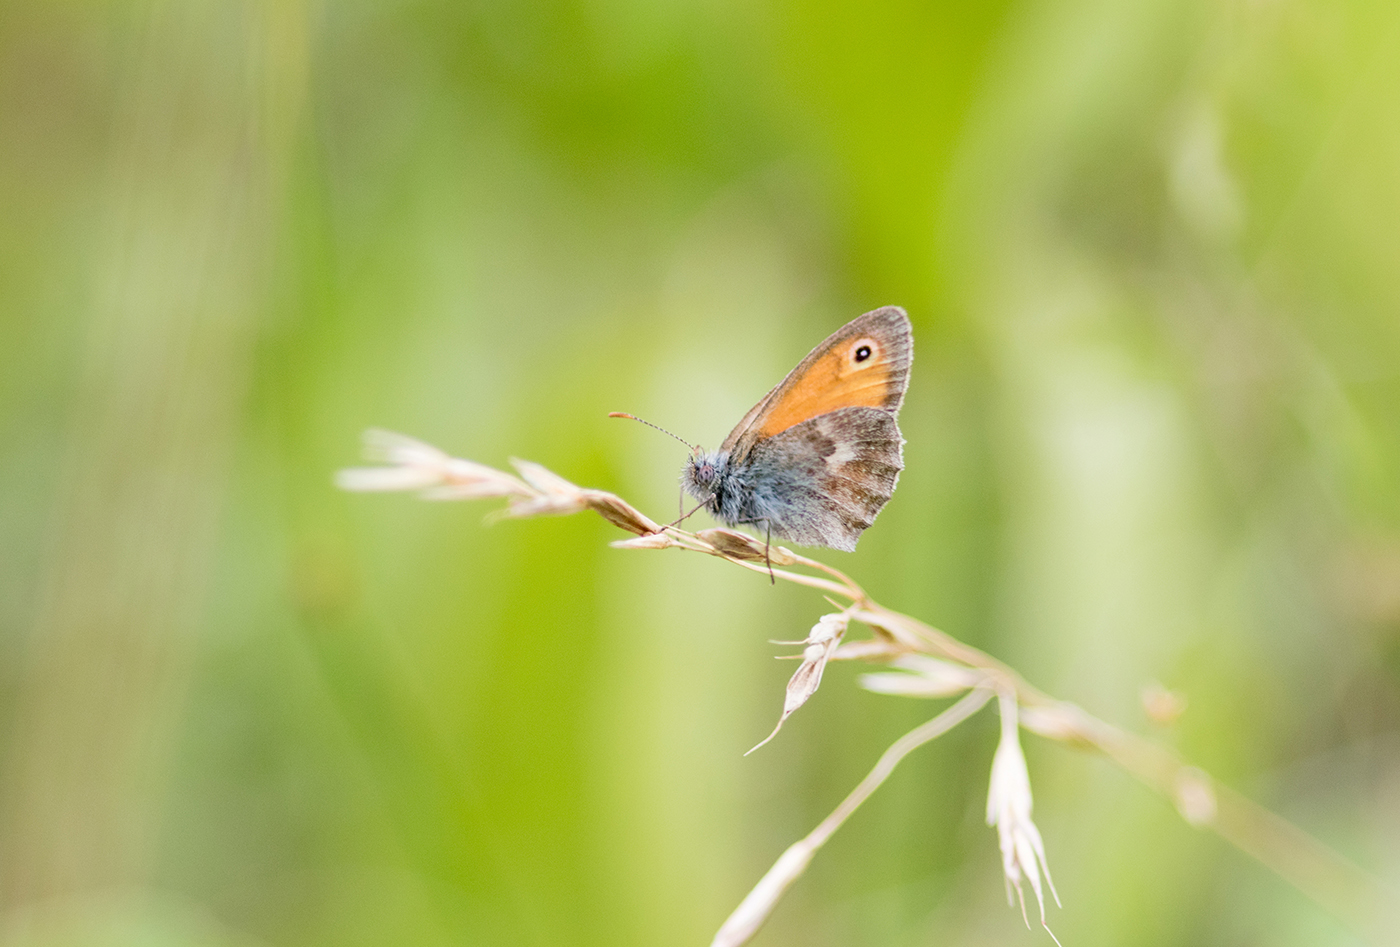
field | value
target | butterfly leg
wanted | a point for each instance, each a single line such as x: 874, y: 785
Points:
x: 767, y: 543
x: 767, y: 546
x: 684, y: 515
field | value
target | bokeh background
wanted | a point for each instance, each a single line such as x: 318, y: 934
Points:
x: 1152, y: 253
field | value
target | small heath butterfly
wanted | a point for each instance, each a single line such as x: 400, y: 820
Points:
x: 817, y: 458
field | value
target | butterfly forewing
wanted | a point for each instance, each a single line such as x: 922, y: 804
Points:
x: 863, y: 364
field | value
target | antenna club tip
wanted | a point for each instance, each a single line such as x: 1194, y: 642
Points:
x: 633, y: 417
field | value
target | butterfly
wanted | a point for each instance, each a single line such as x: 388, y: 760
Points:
x: 817, y: 458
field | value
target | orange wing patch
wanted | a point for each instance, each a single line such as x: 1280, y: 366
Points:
x: 859, y: 372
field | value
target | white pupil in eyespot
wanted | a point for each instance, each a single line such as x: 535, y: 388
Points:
x: 863, y: 353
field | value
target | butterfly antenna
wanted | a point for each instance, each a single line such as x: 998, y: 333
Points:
x: 619, y: 414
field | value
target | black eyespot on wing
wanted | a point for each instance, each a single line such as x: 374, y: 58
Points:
x: 863, y: 353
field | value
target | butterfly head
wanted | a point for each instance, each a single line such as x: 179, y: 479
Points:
x: 702, y: 474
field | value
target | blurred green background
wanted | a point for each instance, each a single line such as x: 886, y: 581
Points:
x: 1152, y: 253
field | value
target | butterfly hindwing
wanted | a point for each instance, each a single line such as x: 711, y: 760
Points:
x: 821, y: 482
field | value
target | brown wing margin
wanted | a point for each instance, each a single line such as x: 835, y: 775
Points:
x: 831, y: 377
